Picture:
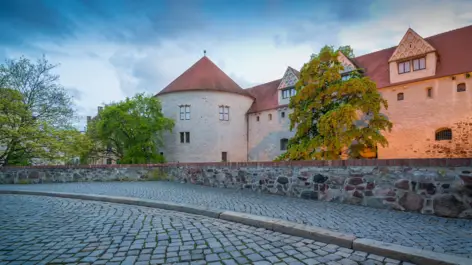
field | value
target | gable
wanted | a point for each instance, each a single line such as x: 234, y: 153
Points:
x: 289, y: 79
x: 346, y: 62
x: 411, y: 45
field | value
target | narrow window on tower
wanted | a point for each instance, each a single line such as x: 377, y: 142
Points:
x: 224, y: 113
x: 185, y: 112
x: 187, y: 137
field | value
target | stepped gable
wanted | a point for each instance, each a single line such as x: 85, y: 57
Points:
x: 204, y: 75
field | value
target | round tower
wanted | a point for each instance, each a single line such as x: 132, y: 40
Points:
x: 209, y: 110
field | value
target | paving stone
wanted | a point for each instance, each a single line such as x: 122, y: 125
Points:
x: 123, y: 234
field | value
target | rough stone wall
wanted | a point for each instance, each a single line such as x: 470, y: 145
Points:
x: 441, y: 187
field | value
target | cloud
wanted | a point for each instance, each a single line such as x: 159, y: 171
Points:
x: 110, y: 49
x: 385, y: 29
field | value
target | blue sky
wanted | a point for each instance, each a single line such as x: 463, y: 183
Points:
x: 110, y: 49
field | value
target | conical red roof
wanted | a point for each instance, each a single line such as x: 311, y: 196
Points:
x: 204, y: 75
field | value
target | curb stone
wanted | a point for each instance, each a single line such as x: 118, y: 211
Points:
x: 417, y: 256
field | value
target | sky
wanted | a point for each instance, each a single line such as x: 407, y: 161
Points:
x: 107, y: 50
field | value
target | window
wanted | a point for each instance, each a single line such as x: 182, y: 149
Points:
x: 270, y: 117
x: 400, y: 96
x: 443, y: 134
x: 257, y: 118
x: 224, y: 113
x: 461, y: 87
x: 404, y: 67
x: 185, y: 112
x: 429, y: 92
x: 109, y: 149
x: 282, y: 114
x: 109, y: 161
x: 283, y: 144
x: 161, y: 153
x: 224, y: 156
x: 185, y: 137
x: 289, y: 92
x: 345, y: 77
x: 419, y: 64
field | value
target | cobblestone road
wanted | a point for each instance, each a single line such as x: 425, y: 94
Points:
x: 452, y: 236
x: 45, y: 230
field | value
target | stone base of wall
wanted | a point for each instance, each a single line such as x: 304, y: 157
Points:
x: 443, y: 189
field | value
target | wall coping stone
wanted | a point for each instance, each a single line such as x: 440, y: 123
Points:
x: 423, y: 162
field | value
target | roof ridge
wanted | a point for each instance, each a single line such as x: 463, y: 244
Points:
x: 416, y: 33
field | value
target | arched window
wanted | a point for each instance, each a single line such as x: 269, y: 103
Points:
x: 400, y: 96
x: 443, y: 134
x: 283, y: 144
x: 270, y: 117
x: 461, y: 87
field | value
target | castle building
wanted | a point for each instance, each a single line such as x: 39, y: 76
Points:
x: 426, y: 82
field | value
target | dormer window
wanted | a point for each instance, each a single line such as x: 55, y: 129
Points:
x: 419, y: 64
x: 288, y: 92
x: 404, y: 67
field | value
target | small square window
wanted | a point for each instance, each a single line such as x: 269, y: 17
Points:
x: 461, y: 87
x: 109, y: 161
x: 224, y: 156
x: 282, y: 114
x: 400, y: 96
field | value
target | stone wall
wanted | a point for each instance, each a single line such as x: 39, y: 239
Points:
x: 429, y: 186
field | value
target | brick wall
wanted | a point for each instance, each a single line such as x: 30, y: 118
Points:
x: 429, y: 186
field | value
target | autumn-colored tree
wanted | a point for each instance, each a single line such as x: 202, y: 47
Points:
x: 130, y: 130
x: 334, y: 115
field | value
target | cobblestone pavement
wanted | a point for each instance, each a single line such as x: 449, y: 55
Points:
x: 46, y: 230
x: 452, y: 236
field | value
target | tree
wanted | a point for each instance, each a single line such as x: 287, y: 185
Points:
x: 347, y: 51
x: 333, y: 116
x: 25, y: 140
x: 35, y: 113
x: 131, y: 130
x: 42, y: 94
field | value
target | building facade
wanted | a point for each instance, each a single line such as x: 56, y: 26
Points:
x: 426, y: 82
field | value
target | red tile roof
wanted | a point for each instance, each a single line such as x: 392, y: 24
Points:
x: 204, y: 75
x: 454, y: 58
x: 266, y: 96
x: 452, y: 47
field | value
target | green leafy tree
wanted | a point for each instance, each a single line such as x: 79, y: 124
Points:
x: 334, y: 117
x: 25, y: 139
x: 131, y: 130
